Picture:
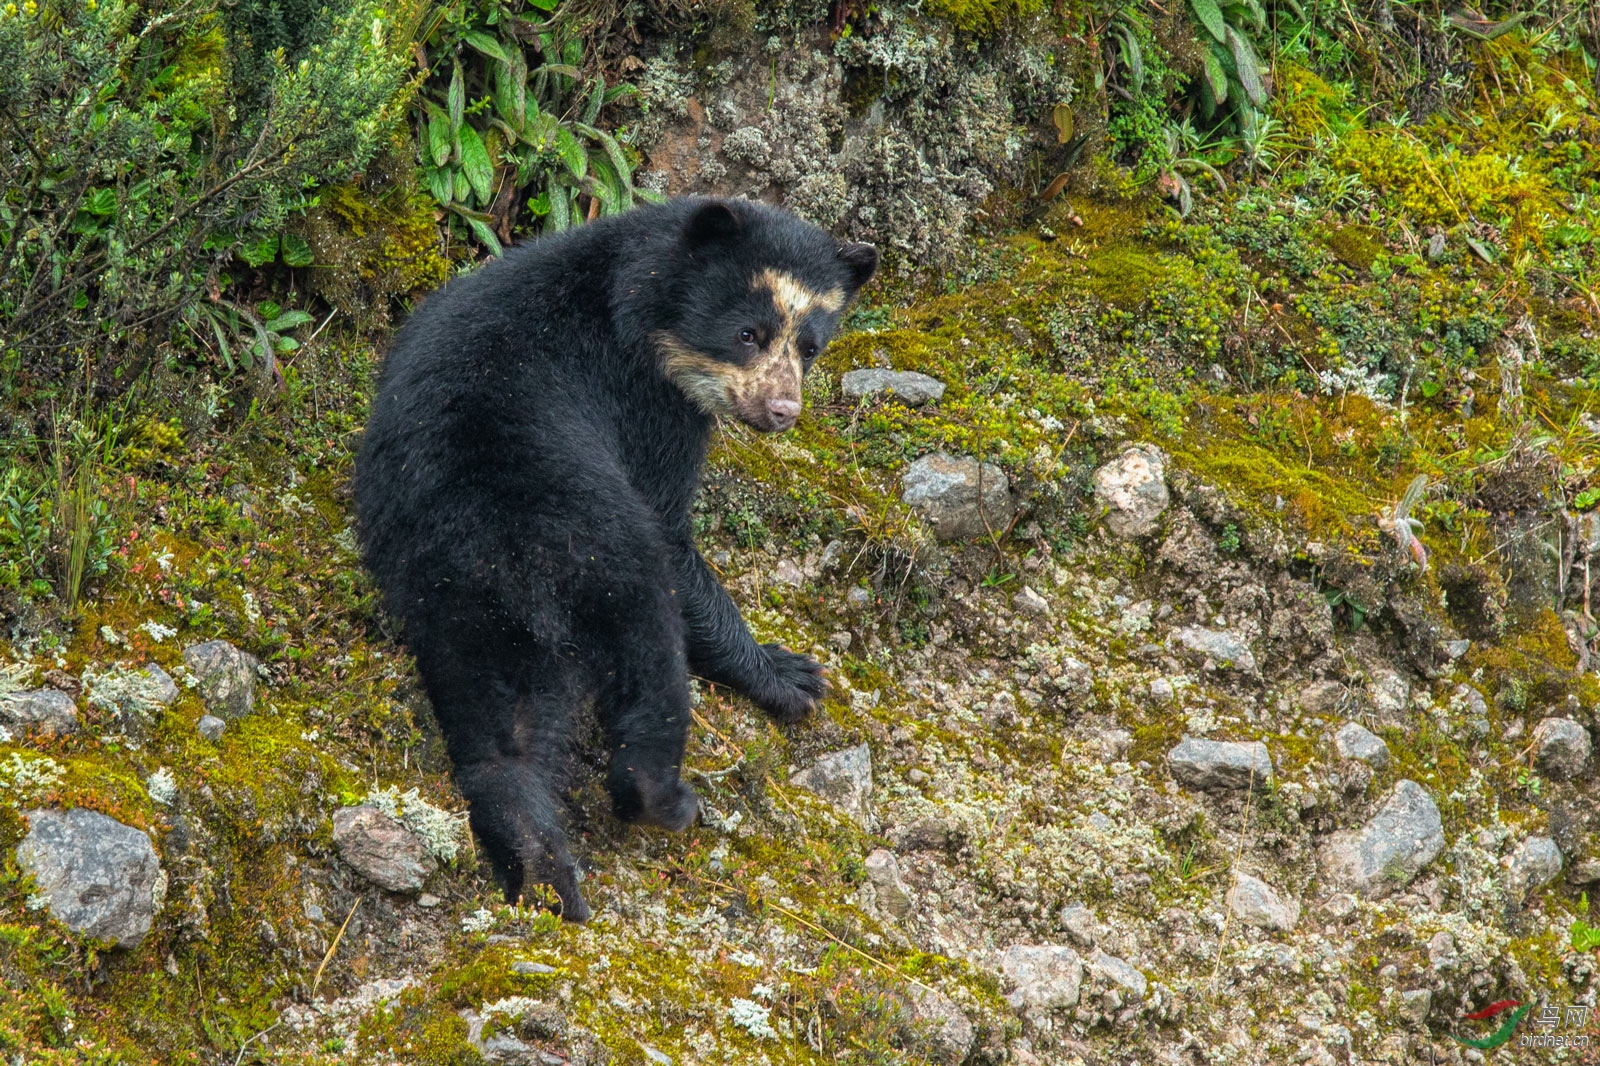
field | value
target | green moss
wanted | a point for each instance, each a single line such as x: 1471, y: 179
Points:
x: 981, y: 17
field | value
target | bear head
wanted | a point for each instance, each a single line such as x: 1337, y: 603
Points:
x: 759, y: 295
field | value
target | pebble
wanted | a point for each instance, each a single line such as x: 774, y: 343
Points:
x: 843, y: 778
x: 96, y: 875
x: 907, y: 386
x: 1216, y: 764
x: 1133, y: 490
x: 46, y: 711
x: 944, y: 489
x: 1402, y: 838
x: 1355, y: 742
x: 381, y: 849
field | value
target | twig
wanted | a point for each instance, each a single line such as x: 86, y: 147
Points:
x: 317, y: 978
x: 253, y: 1039
x: 813, y: 926
x: 1238, y: 855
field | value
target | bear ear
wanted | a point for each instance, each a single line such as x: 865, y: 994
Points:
x: 861, y: 260
x: 712, y: 223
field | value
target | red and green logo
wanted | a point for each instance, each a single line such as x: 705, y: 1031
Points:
x: 1517, y: 1011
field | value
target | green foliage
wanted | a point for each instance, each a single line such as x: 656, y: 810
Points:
x: 135, y: 162
x: 508, y: 122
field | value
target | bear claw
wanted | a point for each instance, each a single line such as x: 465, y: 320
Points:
x: 794, y: 687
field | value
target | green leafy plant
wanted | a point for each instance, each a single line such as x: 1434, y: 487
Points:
x: 499, y: 134
x: 1233, y: 82
x: 137, y: 156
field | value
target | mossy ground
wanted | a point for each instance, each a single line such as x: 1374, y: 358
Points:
x: 1291, y: 346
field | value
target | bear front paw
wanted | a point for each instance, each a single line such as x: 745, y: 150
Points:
x: 794, y: 685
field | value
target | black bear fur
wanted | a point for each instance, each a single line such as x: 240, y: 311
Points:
x: 523, y: 495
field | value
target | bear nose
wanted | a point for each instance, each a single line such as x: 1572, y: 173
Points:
x: 784, y: 412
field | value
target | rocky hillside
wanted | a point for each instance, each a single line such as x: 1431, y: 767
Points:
x: 1208, y: 606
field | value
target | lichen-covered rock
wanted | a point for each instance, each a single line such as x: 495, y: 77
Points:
x: 1133, y: 489
x: 844, y: 779
x: 907, y: 386
x: 889, y: 887
x: 1118, y: 973
x: 1028, y: 601
x: 959, y: 496
x: 1535, y: 863
x: 1254, y: 902
x: 943, y: 1032
x: 1353, y: 741
x: 1561, y: 747
x: 96, y: 875
x: 1214, y: 647
x: 227, y: 677
x: 1219, y: 764
x: 46, y: 711
x: 1402, y: 838
x: 135, y: 696
x: 382, y: 850
x: 1042, y: 976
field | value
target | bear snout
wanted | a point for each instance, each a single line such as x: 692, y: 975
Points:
x: 783, y: 413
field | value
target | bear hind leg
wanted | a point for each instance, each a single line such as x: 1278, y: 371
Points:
x: 643, y: 706
x: 516, y: 810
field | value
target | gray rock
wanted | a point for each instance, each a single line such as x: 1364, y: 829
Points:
x: 883, y: 872
x: 1254, y: 902
x: 1475, y: 709
x: 381, y: 849
x: 1220, y: 647
x: 1455, y: 649
x: 1219, y: 764
x: 163, y: 690
x: 1415, y: 1005
x: 97, y: 876
x: 945, y: 490
x: 1561, y: 748
x: 1030, y: 602
x: 1133, y: 489
x: 788, y: 572
x: 1535, y: 863
x: 1080, y: 924
x: 945, y: 1035
x: 654, y: 1057
x: 844, y: 779
x: 1390, y: 691
x: 526, y: 968
x: 1110, y: 970
x: 1355, y: 742
x: 227, y: 677
x: 907, y: 386
x: 1584, y: 873
x: 211, y: 727
x: 1042, y: 976
x: 1321, y: 697
x: 1403, y: 837
x: 1442, y: 953
x: 47, y: 711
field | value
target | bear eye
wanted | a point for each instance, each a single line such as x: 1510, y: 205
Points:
x: 747, y: 336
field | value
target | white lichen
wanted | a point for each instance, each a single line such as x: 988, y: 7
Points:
x: 441, y: 831
x: 161, y: 786
x: 479, y: 921
x: 753, y: 1018
x: 158, y: 632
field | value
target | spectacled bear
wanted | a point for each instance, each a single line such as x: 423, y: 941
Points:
x: 523, y: 495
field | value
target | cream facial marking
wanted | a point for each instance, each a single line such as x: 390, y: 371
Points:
x: 792, y: 298
x: 729, y: 391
